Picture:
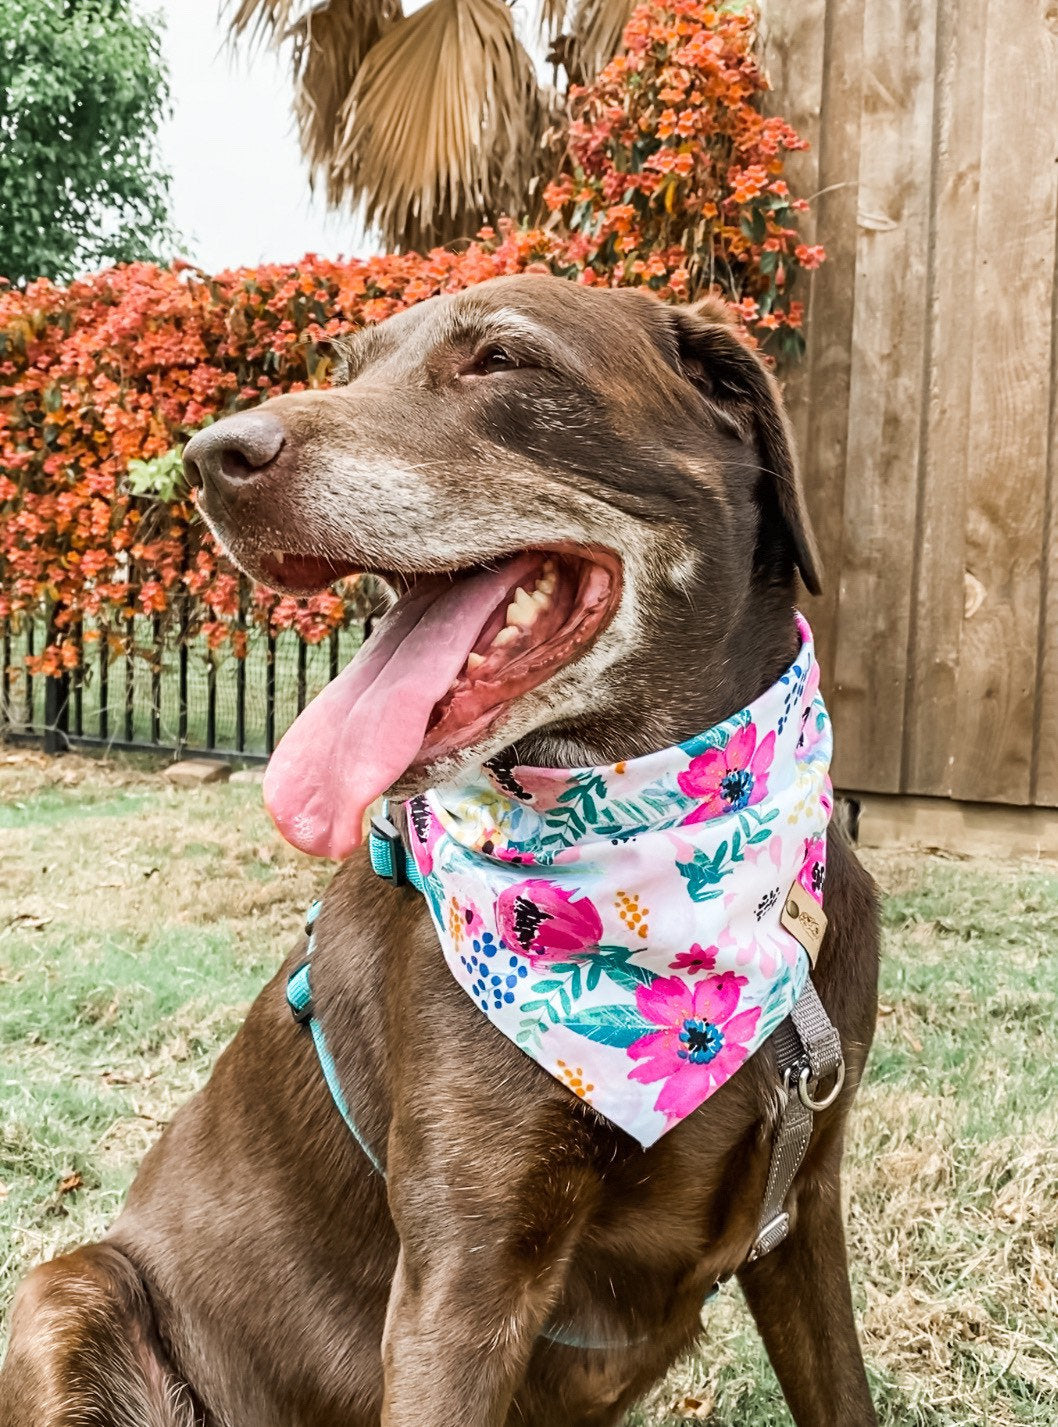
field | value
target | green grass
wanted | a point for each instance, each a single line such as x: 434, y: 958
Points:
x: 137, y: 921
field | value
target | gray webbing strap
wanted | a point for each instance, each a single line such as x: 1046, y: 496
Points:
x: 807, y: 1052
x: 821, y: 1041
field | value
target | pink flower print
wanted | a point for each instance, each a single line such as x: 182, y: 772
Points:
x: 515, y: 855
x: 545, y: 923
x: 464, y: 920
x: 813, y: 873
x: 730, y: 778
x: 702, y: 1038
x: 699, y: 958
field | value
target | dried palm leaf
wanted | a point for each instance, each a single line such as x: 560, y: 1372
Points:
x: 261, y: 19
x: 553, y: 16
x: 595, y: 36
x: 330, y: 43
x: 442, y: 125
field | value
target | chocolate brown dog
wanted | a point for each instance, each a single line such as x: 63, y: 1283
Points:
x: 262, y: 1273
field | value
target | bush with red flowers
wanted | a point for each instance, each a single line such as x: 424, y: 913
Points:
x: 672, y: 179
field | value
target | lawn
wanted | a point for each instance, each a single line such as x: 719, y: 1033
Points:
x: 137, y: 921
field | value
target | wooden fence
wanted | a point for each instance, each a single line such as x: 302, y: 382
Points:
x: 926, y: 409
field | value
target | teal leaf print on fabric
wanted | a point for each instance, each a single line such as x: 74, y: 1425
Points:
x: 762, y: 832
x: 704, y: 874
x: 553, y: 1001
x: 781, y: 995
x: 619, y: 1026
x: 555, y: 994
x: 577, y: 811
x: 616, y: 963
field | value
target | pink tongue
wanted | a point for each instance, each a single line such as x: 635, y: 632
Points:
x: 363, y: 731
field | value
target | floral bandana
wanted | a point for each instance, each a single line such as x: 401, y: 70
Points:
x: 621, y: 924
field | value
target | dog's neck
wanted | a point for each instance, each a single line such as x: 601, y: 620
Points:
x: 688, y: 679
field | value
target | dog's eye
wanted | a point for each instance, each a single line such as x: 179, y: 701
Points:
x: 493, y: 358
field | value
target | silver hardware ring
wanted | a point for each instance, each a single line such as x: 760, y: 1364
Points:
x: 828, y: 1099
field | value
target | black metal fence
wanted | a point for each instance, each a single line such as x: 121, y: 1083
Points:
x: 138, y: 688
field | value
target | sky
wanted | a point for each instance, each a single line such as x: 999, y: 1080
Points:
x: 240, y: 189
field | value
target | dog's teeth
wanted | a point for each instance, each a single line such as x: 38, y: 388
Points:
x: 279, y: 557
x: 524, y: 600
x: 521, y: 611
x: 506, y: 635
x: 547, y: 583
x: 542, y: 598
x: 474, y: 662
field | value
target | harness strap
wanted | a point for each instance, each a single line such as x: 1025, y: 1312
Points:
x: 389, y: 856
x: 807, y: 1050
x: 818, y: 1035
x: 299, y: 999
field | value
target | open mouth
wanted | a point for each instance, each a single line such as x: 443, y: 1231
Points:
x: 300, y: 574
x: 439, y: 671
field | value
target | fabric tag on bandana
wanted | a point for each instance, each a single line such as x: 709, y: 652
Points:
x: 624, y: 925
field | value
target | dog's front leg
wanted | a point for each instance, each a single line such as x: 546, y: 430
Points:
x: 799, y: 1295
x: 479, y: 1272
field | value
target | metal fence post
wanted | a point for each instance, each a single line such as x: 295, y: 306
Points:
x: 56, y: 712
x: 56, y: 698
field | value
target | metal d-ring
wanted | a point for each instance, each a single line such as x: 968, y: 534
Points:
x: 828, y: 1099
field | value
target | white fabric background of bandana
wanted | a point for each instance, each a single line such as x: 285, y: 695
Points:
x: 621, y: 924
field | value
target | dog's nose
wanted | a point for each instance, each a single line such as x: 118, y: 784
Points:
x: 233, y: 450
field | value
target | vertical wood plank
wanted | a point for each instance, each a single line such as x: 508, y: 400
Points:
x: 886, y: 392
x: 1045, y: 753
x: 995, y: 702
x: 938, y: 594
x: 820, y: 400
x: 793, y: 42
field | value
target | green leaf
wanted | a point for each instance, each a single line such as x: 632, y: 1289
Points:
x: 703, y: 873
x: 161, y: 476
x: 628, y: 975
x: 618, y: 1026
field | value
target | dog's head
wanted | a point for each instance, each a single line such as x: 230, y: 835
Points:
x: 587, y: 503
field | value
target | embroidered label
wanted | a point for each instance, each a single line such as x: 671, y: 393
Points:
x: 804, y: 919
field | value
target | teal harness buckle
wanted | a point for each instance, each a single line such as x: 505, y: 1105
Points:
x: 390, y: 859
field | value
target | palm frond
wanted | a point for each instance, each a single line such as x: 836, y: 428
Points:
x: 595, y: 36
x: 553, y: 16
x: 441, y: 126
x: 260, y: 19
x: 330, y: 44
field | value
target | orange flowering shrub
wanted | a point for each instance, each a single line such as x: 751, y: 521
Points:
x: 674, y: 176
x: 672, y: 179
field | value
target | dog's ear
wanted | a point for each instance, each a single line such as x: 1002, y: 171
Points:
x: 745, y: 397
